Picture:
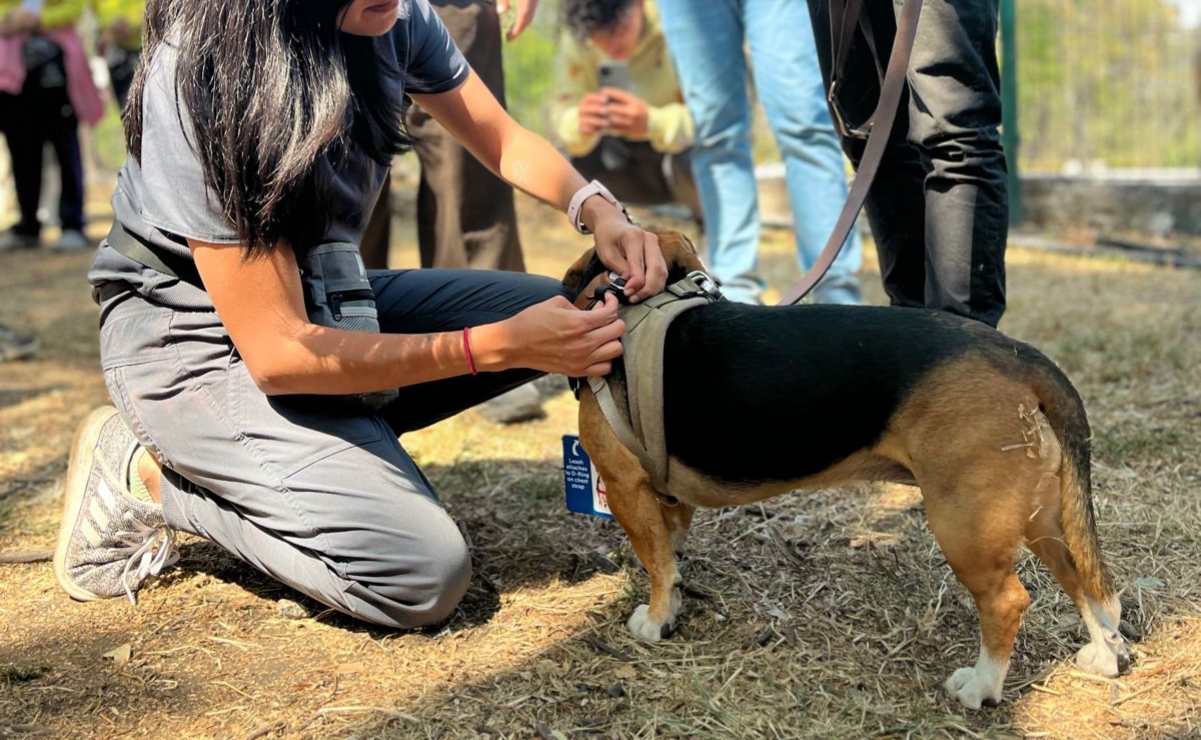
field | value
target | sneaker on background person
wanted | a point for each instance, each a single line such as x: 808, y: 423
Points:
x: 16, y: 346
x: 72, y: 240
x: 13, y: 239
x: 113, y: 535
x: 523, y: 403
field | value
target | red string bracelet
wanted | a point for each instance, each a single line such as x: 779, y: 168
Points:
x: 467, y: 350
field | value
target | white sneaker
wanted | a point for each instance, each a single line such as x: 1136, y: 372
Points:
x: 523, y: 403
x: 72, y: 241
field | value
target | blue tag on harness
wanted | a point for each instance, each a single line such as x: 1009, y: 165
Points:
x: 585, y: 489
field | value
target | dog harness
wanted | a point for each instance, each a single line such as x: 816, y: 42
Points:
x: 633, y: 405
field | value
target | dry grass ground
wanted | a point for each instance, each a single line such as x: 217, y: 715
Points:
x: 825, y: 614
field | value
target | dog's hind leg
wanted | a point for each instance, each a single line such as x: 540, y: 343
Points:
x: 981, y: 553
x: 679, y: 519
x: 1106, y: 653
x: 639, y: 512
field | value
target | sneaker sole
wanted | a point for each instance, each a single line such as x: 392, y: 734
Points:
x: 83, y: 453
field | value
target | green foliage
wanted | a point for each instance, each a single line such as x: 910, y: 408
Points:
x: 529, y: 68
x: 108, y: 140
x: 1110, y: 81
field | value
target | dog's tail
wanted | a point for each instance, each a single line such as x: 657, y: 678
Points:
x: 1064, y: 409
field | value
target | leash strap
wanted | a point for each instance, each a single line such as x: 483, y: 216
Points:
x: 881, y: 124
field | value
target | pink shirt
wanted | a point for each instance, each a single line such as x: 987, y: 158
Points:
x: 81, y: 89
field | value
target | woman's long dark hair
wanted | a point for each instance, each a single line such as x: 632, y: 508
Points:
x: 272, y: 87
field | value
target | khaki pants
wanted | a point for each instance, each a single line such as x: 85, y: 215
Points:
x: 465, y: 214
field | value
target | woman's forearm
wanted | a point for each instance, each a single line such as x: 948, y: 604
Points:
x: 553, y: 336
x: 323, y: 361
x: 524, y: 159
x: 531, y: 164
x: 286, y: 353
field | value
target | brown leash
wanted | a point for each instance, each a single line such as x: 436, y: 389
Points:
x: 844, y: 17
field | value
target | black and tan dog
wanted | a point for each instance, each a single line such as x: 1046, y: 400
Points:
x: 761, y: 401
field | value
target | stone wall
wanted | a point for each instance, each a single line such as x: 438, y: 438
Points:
x: 1159, y: 203
x: 1155, y: 202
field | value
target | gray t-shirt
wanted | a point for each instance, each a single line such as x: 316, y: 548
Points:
x: 163, y: 199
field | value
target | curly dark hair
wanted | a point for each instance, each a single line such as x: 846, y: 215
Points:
x: 586, y: 17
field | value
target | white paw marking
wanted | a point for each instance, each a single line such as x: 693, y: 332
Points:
x: 976, y: 686
x: 1107, y: 653
x: 1098, y: 658
x: 643, y: 627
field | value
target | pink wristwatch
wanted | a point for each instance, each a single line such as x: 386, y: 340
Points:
x: 575, y: 208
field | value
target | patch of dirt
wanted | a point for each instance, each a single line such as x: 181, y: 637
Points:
x: 822, y: 614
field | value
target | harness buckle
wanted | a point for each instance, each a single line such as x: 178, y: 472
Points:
x: 705, y: 284
x: 616, y: 286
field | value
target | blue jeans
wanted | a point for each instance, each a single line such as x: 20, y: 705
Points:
x: 707, y: 40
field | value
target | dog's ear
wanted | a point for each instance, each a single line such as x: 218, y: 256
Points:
x: 580, y: 272
x: 680, y: 255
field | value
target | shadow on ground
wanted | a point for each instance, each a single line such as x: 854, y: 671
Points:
x: 827, y: 614
x: 519, y: 539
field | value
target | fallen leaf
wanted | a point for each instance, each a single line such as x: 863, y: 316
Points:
x: 626, y: 671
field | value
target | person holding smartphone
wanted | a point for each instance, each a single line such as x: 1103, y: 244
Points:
x: 619, y: 110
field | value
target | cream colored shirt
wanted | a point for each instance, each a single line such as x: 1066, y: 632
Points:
x: 652, y: 78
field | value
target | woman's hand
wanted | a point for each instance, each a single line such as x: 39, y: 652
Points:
x: 626, y: 249
x: 553, y: 336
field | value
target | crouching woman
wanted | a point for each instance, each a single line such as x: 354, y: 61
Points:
x: 261, y: 377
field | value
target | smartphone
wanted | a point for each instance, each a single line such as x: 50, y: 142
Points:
x: 614, y: 74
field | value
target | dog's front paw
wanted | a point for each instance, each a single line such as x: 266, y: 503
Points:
x: 645, y: 628
x: 972, y: 689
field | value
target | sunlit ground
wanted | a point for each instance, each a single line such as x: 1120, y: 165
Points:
x: 825, y: 614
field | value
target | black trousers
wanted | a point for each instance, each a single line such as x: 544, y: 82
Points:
x: 30, y: 121
x: 638, y: 175
x: 939, y: 207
